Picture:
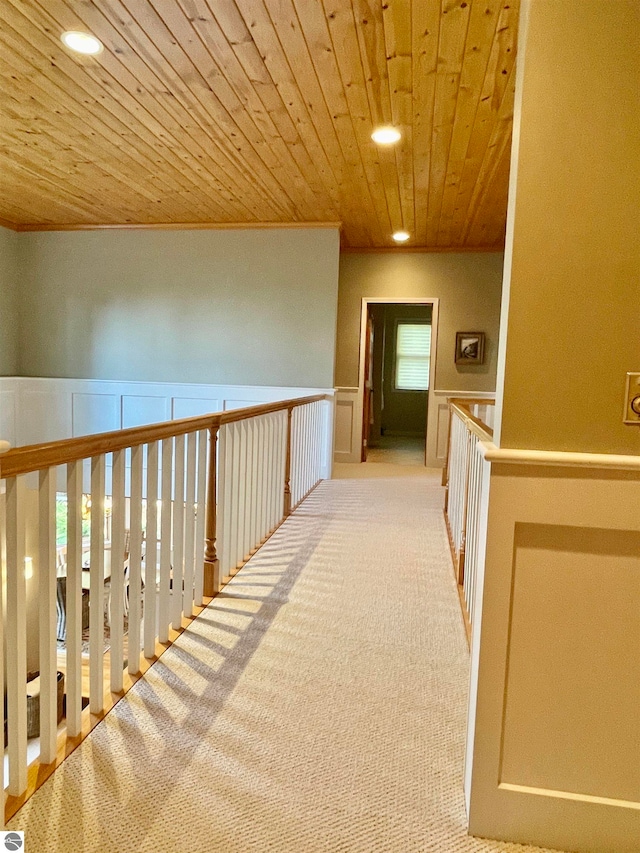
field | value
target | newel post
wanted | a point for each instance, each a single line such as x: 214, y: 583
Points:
x: 287, y: 469
x: 211, y: 584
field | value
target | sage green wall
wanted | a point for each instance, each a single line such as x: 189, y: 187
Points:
x: 8, y: 306
x: 253, y: 307
x: 405, y: 412
x: 572, y: 281
x: 468, y: 286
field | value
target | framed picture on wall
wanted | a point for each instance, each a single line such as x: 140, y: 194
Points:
x: 470, y: 348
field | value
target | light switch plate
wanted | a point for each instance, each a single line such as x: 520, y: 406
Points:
x: 632, y: 399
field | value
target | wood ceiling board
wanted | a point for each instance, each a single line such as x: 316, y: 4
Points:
x: 497, y: 86
x: 347, y: 49
x: 425, y: 37
x: 261, y: 111
x: 64, y: 70
x: 304, y: 35
x: 483, y: 20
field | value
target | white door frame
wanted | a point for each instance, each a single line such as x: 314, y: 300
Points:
x: 431, y: 461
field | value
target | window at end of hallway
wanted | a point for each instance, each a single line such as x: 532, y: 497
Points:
x: 413, y: 347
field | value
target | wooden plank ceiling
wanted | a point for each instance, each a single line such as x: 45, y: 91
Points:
x: 261, y: 111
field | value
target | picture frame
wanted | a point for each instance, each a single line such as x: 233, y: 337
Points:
x: 469, y: 347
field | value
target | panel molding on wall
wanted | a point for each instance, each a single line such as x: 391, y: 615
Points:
x: 91, y: 413
x: 347, y: 439
x: 553, y: 746
x: 348, y: 424
x: 8, y: 411
x: 439, y: 419
x: 38, y: 409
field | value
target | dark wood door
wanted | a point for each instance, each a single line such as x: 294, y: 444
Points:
x: 367, y: 408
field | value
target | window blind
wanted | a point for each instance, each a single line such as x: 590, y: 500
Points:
x: 413, y: 347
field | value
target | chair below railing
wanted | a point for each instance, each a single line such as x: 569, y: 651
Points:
x: 143, y: 526
x: 463, y: 476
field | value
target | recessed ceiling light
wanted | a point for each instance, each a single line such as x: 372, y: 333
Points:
x: 81, y: 42
x: 401, y: 236
x: 386, y: 135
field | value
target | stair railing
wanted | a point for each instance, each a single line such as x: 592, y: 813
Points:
x: 183, y: 505
x: 463, y: 477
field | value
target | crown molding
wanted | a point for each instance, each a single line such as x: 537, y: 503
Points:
x: 176, y: 226
x: 403, y: 250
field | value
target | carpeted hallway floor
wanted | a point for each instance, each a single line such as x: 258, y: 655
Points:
x: 317, y: 705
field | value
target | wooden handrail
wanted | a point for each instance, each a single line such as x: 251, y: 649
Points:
x: 484, y: 432
x: 35, y: 457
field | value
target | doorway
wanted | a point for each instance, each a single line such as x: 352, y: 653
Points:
x: 398, y: 339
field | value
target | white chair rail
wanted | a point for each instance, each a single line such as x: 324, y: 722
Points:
x: 112, y: 541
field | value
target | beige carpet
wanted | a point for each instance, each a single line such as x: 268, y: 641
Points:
x: 397, y: 450
x: 317, y: 706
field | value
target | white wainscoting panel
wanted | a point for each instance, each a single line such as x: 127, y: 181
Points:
x: 37, y: 409
x: 41, y: 418
x: 192, y: 407
x: 347, y: 438
x: 8, y: 414
x: 237, y: 404
x: 553, y: 748
x: 348, y: 423
x: 93, y: 413
x: 140, y: 410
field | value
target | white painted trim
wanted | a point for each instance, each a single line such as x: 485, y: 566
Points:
x: 552, y: 804
x: 434, y: 302
x: 347, y: 446
x: 41, y: 409
x: 558, y: 458
x: 480, y: 395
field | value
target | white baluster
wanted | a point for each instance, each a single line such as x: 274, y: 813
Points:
x: 164, y: 612
x: 253, y: 539
x: 262, y: 478
x: 253, y: 527
x: 306, y: 461
x: 270, y: 462
x: 276, y: 485
x: 96, y: 593
x: 178, y: 533
x: 16, y: 639
x: 150, y: 629
x: 319, y: 420
x: 242, y: 495
x: 301, y: 453
x: 47, y: 608
x: 266, y: 478
x: 234, y: 431
x: 135, y: 559
x: 201, y: 500
x: 73, y: 608
x: 318, y: 443
x: 246, y: 544
x: 116, y: 596
x: 282, y: 456
x: 295, y: 445
x: 189, y: 525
